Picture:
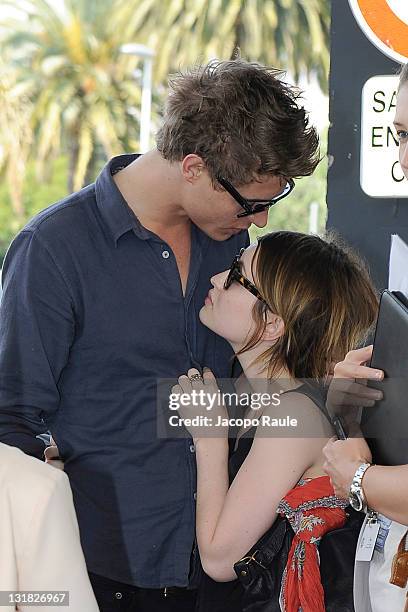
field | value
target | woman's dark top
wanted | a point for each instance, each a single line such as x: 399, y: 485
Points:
x: 226, y: 596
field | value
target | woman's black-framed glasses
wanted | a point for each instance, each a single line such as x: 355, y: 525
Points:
x: 235, y: 274
x: 252, y: 206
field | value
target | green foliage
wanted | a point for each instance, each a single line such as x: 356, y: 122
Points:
x: 289, y: 34
x: 70, y: 99
x: 292, y: 213
x: 37, y: 194
x: 69, y: 66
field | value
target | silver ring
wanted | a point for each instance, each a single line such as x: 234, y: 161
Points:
x: 195, y: 377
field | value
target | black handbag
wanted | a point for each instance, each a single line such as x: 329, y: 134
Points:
x: 260, y: 571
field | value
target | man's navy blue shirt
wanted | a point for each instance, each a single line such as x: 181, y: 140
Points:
x: 92, y: 314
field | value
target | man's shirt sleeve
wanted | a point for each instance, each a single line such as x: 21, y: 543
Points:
x: 36, y: 331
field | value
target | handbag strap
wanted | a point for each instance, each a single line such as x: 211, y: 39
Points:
x: 316, y: 392
x: 399, y: 568
x: 265, y: 550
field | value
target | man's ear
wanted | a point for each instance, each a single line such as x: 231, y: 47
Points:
x: 275, y: 328
x: 191, y: 167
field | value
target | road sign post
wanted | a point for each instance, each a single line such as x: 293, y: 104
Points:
x: 367, y: 192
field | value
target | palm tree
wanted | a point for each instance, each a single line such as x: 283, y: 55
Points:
x: 290, y: 34
x: 73, y: 90
x: 15, y: 137
x: 81, y: 87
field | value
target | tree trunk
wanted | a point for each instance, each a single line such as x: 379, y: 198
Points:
x: 238, y: 34
x: 15, y: 181
x: 73, y: 153
x: 91, y: 169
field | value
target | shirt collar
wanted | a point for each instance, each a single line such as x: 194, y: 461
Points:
x: 111, y: 204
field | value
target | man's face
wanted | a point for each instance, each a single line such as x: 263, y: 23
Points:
x: 215, y: 211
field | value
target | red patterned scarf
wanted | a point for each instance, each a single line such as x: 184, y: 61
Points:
x: 312, y: 509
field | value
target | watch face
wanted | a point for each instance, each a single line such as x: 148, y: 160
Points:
x: 355, y: 502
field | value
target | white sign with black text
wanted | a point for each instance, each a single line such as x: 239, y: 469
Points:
x: 380, y: 172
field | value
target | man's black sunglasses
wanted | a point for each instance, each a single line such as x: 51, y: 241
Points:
x: 252, y: 206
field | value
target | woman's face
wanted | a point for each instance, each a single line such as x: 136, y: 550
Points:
x: 228, y: 312
x: 401, y: 125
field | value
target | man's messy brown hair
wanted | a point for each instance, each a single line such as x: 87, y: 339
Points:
x: 242, y: 119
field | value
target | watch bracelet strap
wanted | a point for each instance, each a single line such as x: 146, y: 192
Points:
x: 368, y: 509
x: 366, y: 465
x: 359, y: 484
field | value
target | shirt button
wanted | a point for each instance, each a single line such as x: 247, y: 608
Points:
x: 192, y: 448
x: 165, y: 254
x: 118, y: 595
x: 195, y: 495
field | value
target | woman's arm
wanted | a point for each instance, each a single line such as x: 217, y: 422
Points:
x: 386, y: 490
x: 385, y: 487
x: 230, y: 521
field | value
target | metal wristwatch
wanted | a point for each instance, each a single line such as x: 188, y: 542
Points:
x: 356, y: 496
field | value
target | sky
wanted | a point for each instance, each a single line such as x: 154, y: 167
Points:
x: 316, y: 102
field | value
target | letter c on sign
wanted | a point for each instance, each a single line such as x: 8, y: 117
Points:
x: 395, y: 178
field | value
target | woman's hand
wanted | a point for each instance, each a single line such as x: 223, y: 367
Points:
x: 348, y: 390
x: 342, y: 458
x: 354, y: 365
x: 205, y: 415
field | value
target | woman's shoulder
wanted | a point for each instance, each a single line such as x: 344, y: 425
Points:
x: 20, y: 472
x: 299, y: 412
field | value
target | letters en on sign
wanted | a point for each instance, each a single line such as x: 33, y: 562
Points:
x: 380, y: 172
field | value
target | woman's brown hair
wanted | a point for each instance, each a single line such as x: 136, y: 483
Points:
x: 323, y: 293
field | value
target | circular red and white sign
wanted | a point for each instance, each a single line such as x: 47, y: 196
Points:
x: 385, y: 23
